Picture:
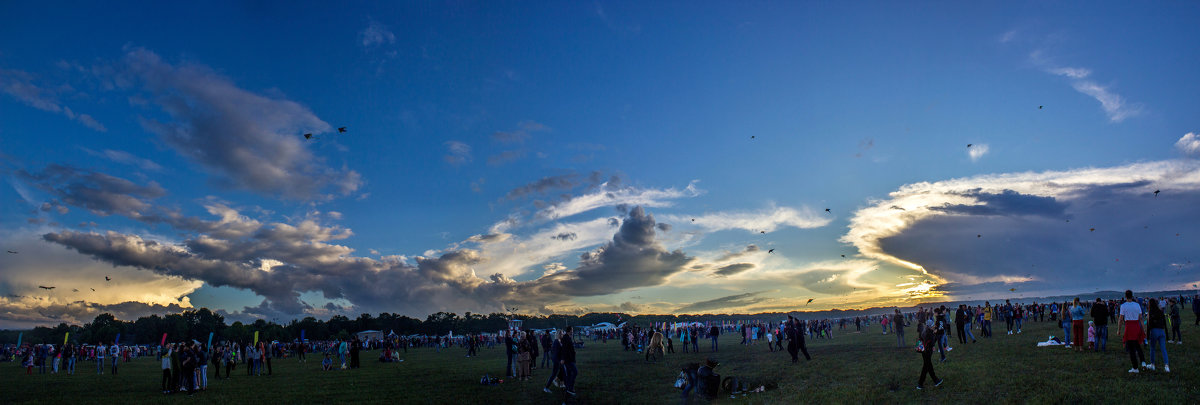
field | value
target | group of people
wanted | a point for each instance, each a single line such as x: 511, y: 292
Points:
x: 558, y: 349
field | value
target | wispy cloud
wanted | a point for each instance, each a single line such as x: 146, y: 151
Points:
x: 22, y: 87
x: 457, y: 153
x: 1115, y: 107
x: 977, y: 151
x: 125, y: 158
x: 765, y: 220
x: 376, y: 34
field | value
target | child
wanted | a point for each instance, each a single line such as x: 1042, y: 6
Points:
x: 1091, y: 339
x: 327, y: 364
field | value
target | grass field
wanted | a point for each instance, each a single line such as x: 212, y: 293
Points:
x: 853, y: 368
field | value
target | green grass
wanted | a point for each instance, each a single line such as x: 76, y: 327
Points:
x: 853, y: 368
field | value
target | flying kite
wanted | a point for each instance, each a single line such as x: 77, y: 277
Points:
x: 1040, y: 107
x: 93, y: 290
x: 12, y: 252
x: 307, y: 136
x: 979, y: 236
x: 46, y: 288
x: 693, y: 219
x: 827, y: 210
x: 809, y: 302
x: 1012, y: 290
x: 843, y: 256
x: 771, y: 251
x: 1156, y: 193
x: 74, y: 290
x: 751, y: 136
x: 107, y: 279
x: 762, y: 231
x: 341, y: 130
x: 970, y: 145
x: 1093, y: 229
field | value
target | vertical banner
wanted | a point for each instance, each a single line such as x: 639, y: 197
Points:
x: 256, y: 337
x: 301, y: 335
x: 117, y: 341
x: 209, y: 345
x: 164, y: 340
x: 65, y: 338
x: 19, y: 336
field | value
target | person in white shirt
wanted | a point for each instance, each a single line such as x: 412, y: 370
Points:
x: 166, y: 371
x: 1131, y: 322
x: 114, y: 352
x: 100, y: 349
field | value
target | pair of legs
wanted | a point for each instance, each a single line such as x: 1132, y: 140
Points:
x: 1134, y: 347
x: 1101, y: 337
x: 927, y: 368
x: 1158, y: 343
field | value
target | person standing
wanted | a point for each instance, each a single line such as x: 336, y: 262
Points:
x: 165, y: 360
x: 553, y: 353
x: 1078, y: 326
x: 114, y: 352
x: 987, y: 319
x: 898, y: 322
x: 69, y: 353
x: 713, y: 333
x: 100, y: 349
x: 510, y: 350
x: 1065, y: 323
x: 1157, y: 323
x: 1100, y: 322
x: 1131, y: 321
x: 1196, y: 307
x: 567, y: 360
x: 929, y: 335
x: 1173, y: 316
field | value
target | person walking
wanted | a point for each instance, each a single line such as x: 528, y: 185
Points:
x: 567, y: 360
x: 713, y: 333
x: 1100, y: 322
x: 1157, y: 323
x: 1131, y: 321
x: 553, y: 353
x: 929, y: 335
x: 100, y: 349
x: 1078, y: 326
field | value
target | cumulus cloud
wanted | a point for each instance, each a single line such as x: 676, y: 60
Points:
x: 247, y: 140
x: 23, y: 87
x: 100, y: 193
x: 977, y: 151
x: 1189, y: 144
x: 1049, y: 231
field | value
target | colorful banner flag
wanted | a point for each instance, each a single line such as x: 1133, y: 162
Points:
x: 65, y: 338
x: 164, y: 340
x: 301, y: 335
x: 209, y: 345
x: 255, y: 337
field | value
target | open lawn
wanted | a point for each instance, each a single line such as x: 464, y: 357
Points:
x: 852, y: 368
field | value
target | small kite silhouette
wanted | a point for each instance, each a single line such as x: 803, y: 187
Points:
x: 751, y: 136
x: 1156, y: 193
x: 74, y: 290
x: 307, y: 136
x: 970, y: 145
x: 693, y: 219
x: 46, y: 288
x: 107, y: 279
x: 341, y: 130
x: 979, y: 236
x: 1093, y: 229
x: 762, y: 231
x: 897, y: 208
x: 827, y: 210
x: 93, y: 290
x: 1012, y: 289
x: 843, y: 256
x: 809, y: 302
x: 1040, y: 107
x: 12, y: 252
x: 771, y: 251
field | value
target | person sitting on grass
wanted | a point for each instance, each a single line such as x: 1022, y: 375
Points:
x: 327, y: 364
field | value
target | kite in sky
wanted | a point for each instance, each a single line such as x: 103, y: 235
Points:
x: 44, y: 287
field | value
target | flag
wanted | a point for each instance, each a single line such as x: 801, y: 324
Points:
x: 209, y: 345
x: 164, y: 340
x: 301, y: 335
x: 255, y: 337
x: 118, y: 339
x: 65, y: 338
x: 19, y: 335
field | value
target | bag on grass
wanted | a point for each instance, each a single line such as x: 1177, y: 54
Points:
x: 681, y: 381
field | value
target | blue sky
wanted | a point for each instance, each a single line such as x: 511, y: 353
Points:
x: 163, y: 143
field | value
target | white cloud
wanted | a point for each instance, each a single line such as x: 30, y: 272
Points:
x: 1074, y: 73
x: 21, y: 86
x: 1189, y: 144
x: 768, y: 219
x: 457, y: 153
x: 604, y: 197
x: 1114, y: 106
x: 977, y: 151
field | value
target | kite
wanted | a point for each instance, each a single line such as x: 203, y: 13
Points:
x: 843, y: 256
x: 1156, y: 193
x: 978, y: 236
x: 12, y: 252
x: 1093, y: 229
x: 93, y: 290
x: 74, y: 290
x: 809, y: 302
x: 827, y: 210
x: 1012, y: 289
x: 341, y: 130
x: 751, y: 136
x: 771, y: 251
x: 693, y: 219
x: 107, y: 279
x: 44, y: 287
x: 762, y: 231
x: 897, y: 208
x: 1040, y: 107
x: 970, y: 145
x: 307, y: 136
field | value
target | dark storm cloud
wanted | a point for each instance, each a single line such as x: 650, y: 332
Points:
x: 1006, y: 203
x: 246, y: 140
x: 731, y: 269
x: 727, y: 302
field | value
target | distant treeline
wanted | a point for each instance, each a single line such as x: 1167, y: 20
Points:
x: 197, y: 324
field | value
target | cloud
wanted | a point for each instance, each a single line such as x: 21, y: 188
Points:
x: 126, y: 158
x: 1074, y: 73
x: 246, y: 140
x: 1189, y: 144
x: 1035, y: 229
x: 1116, y: 107
x: 505, y: 157
x: 565, y: 236
x: 21, y: 86
x: 558, y: 182
x: 606, y: 196
x: 768, y: 219
x: 732, y: 269
x: 457, y: 153
x: 977, y: 151
x: 723, y: 303
x: 522, y: 133
x: 376, y: 34
x: 100, y: 193
x: 750, y: 249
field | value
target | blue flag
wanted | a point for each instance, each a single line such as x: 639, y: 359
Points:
x: 209, y: 345
x: 118, y: 339
x: 301, y: 335
x: 19, y: 335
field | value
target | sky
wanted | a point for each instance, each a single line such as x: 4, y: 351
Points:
x: 572, y: 157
